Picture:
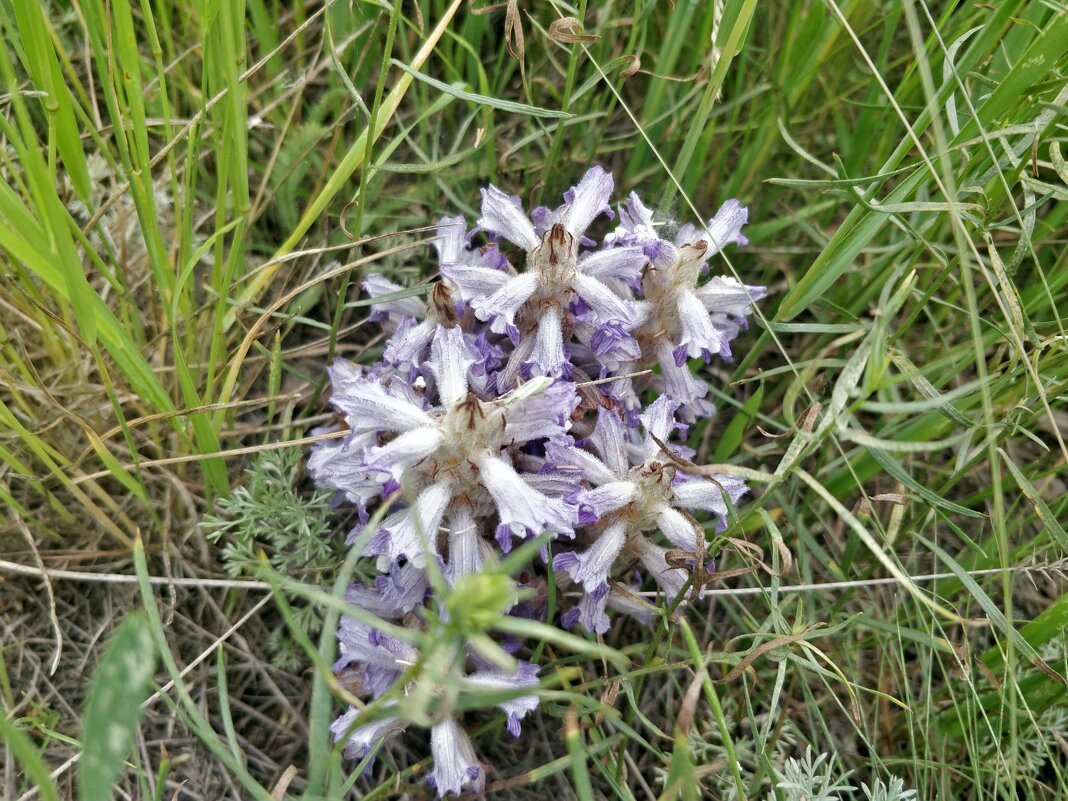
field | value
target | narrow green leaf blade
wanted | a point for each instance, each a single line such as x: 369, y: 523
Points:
x: 113, y: 710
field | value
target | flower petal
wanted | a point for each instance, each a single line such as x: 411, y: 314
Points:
x: 404, y: 588
x: 502, y: 214
x: 408, y: 344
x: 659, y: 421
x: 607, y: 305
x: 474, y: 281
x: 360, y: 740
x: 596, y: 503
x: 567, y: 457
x: 679, y: 383
x: 449, y: 240
x: 522, y: 509
x: 465, y: 545
x: 698, y: 337
x: 456, y: 768
x: 547, y: 356
x: 541, y: 414
x: 586, y: 200
x: 700, y: 493
x: 680, y: 532
x: 377, y: 285
x: 406, y: 450
x: 411, y: 531
x: 370, y: 406
x: 450, y: 359
x: 726, y: 227
x: 670, y: 579
x: 591, y: 568
x: 589, y: 612
x: 609, y: 439
x: 624, y: 264
x: 500, y: 307
x: 524, y: 677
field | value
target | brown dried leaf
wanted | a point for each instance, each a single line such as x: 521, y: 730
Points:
x: 568, y: 30
x: 513, y: 31
x: 763, y: 648
x: 634, y: 68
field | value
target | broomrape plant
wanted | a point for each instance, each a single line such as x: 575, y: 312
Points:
x: 509, y: 405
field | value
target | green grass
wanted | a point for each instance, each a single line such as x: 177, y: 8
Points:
x: 190, y: 195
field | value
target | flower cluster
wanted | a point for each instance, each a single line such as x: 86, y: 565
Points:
x: 511, y: 404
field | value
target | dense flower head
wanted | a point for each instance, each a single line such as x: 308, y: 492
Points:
x: 540, y: 389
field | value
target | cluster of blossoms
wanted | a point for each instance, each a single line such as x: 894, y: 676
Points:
x: 510, y: 404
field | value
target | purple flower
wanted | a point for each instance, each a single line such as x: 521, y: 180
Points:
x: 456, y: 768
x: 523, y: 678
x: 360, y: 740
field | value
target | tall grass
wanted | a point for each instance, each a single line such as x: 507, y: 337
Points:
x: 191, y: 192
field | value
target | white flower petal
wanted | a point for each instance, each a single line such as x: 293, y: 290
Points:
x: 670, y: 579
x: 465, y: 545
x: 591, y: 568
x: 400, y: 453
x: 360, y: 740
x: 502, y: 214
x: 605, y: 303
x: 450, y: 359
x: 474, y: 281
x: 522, y: 509
x: 609, y: 439
x: 456, y: 768
x: 586, y: 200
x: 569, y: 458
x: 624, y: 264
x: 410, y: 532
x: 699, y: 337
x: 547, y: 356
x: 500, y: 307
x: 595, y: 503
x: 370, y: 406
x: 377, y: 285
x: 679, y: 531
x: 726, y: 227
x: 699, y: 493
x: 409, y: 342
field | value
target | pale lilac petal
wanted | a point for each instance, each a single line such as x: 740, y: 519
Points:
x: 554, y: 483
x: 368, y: 599
x: 679, y: 531
x: 411, y: 531
x: 541, y: 414
x: 474, y: 281
x: 369, y: 406
x: 726, y: 227
x: 465, y: 546
x: 408, y: 344
x: 629, y: 604
x: 361, y: 642
x: 404, y: 451
x: 607, y: 305
x: 595, y: 503
x: 522, y: 509
x: 613, y: 344
x: 456, y: 768
x: 699, y: 493
x: 591, y: 568
x: 659, y: 421
x: 361, y: 740
x: 547, y: 356
x: 679, y: 383
x: 670, y: 579
x: 508, y: 377
x: 404, y: 588
x: 635, y: 215
x: 339, y: 465
x: 567, y: 457
x: 377, y: 286
x: 450, y: 359
x: 727, y: 295
x: 586, y: 200
x: 523, y: 678
x: 624, y: 264
x: 589, y: 612
x: 500, y: 308
x: 609, y: 439
x: 449, y: 240
x: 699, y: 337
x: 502, y: 214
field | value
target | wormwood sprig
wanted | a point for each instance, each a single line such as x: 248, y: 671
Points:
x: 529, y: 399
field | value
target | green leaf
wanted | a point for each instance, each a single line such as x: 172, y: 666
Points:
x: 483, y: 100
x: 113, y: 711
x: 25, y: 754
